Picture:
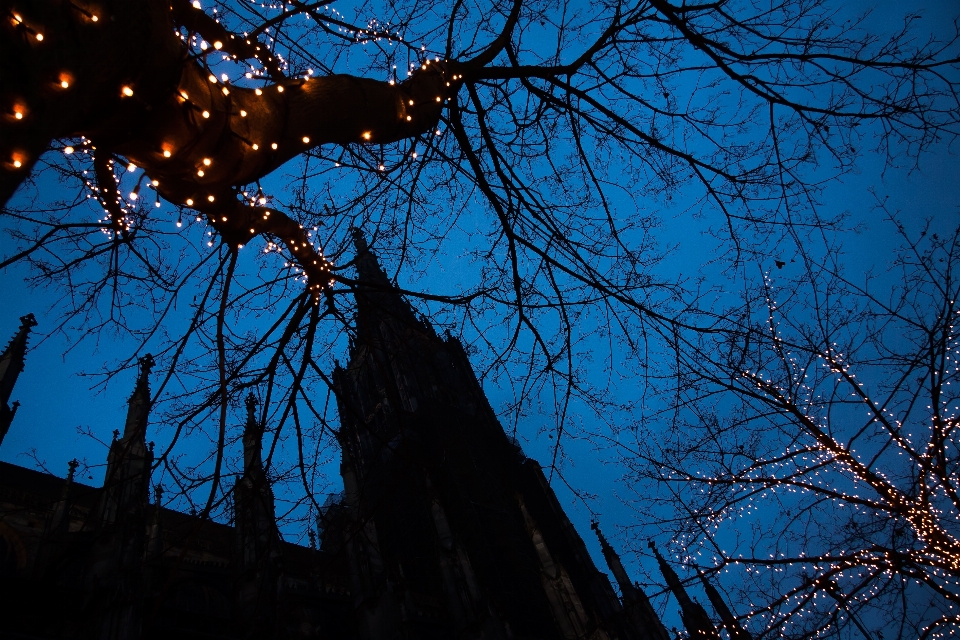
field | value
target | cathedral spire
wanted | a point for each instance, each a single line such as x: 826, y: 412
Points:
x: 377, y: 298
x: 252, y: 442
x: 126, y: 485
x: 637, y: 605
x: 694, y: 617
x: 733, y: 627
x: 616, y: 566
x: 139, y: 403
x: 11, y: 364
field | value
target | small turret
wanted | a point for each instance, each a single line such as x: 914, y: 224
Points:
x: 60, y: 519
x: 126, y: 485
x: 155, y: 537
x: 11, y: 364
x: 636, y: 604
x: 616, y: 566
x: 252, y: 442
x: 733, y: 627
x: 694, y: 616
x: 257, y: 537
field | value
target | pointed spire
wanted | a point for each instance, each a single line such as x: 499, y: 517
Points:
x: 139, y: 403
x: 376, y: 296
x: 252, y: 442
x: 615, y: 565
x: 733, y: 627
x: 11, y: 364
x: 127, y: 482
x: 694, y: 617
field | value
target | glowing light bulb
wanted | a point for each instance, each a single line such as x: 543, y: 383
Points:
x: 225, y: 91
x: 206, y: 162
x: 18, y: 115
x: 273, y: 146
x: 409, y: 118
x: 210, y: 198
x: 131, y: 167
x: 258, y: 92
x: 155, y: 183
x: 68, y: 149
x: 366, y: 135
x: 205, y: 114
x: 200, y: 172
x: 94, y: 18
x: 218, y: 45
x: 255, y: 146
x: 306, y: 140
x: 39, y: 37
x: 64, y: 84
x: 190, y: 204
x: 224, y: 77
x: 243, y: 114
x: 166, y: 153
x: 212, y: 78
x: 127, y: 91
x: 17, y: 164
x: 279, y: 88
x: 411, y: 103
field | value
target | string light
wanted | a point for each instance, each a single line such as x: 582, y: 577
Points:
x: 127, y: 91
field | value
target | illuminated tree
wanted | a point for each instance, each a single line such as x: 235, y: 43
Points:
x: 814, y: 454
x: 526, y: 143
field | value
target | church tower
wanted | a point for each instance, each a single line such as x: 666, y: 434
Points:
x: 451, y: 531
x: 11, y: 364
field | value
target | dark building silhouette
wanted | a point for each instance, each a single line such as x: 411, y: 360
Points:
x: 444, y: 528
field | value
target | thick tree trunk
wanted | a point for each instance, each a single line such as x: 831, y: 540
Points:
x: 123, y: 79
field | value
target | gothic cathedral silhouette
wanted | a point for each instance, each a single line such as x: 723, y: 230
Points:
x: 444, y: 528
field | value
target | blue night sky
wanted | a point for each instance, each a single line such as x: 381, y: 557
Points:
x: 58, y: 401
